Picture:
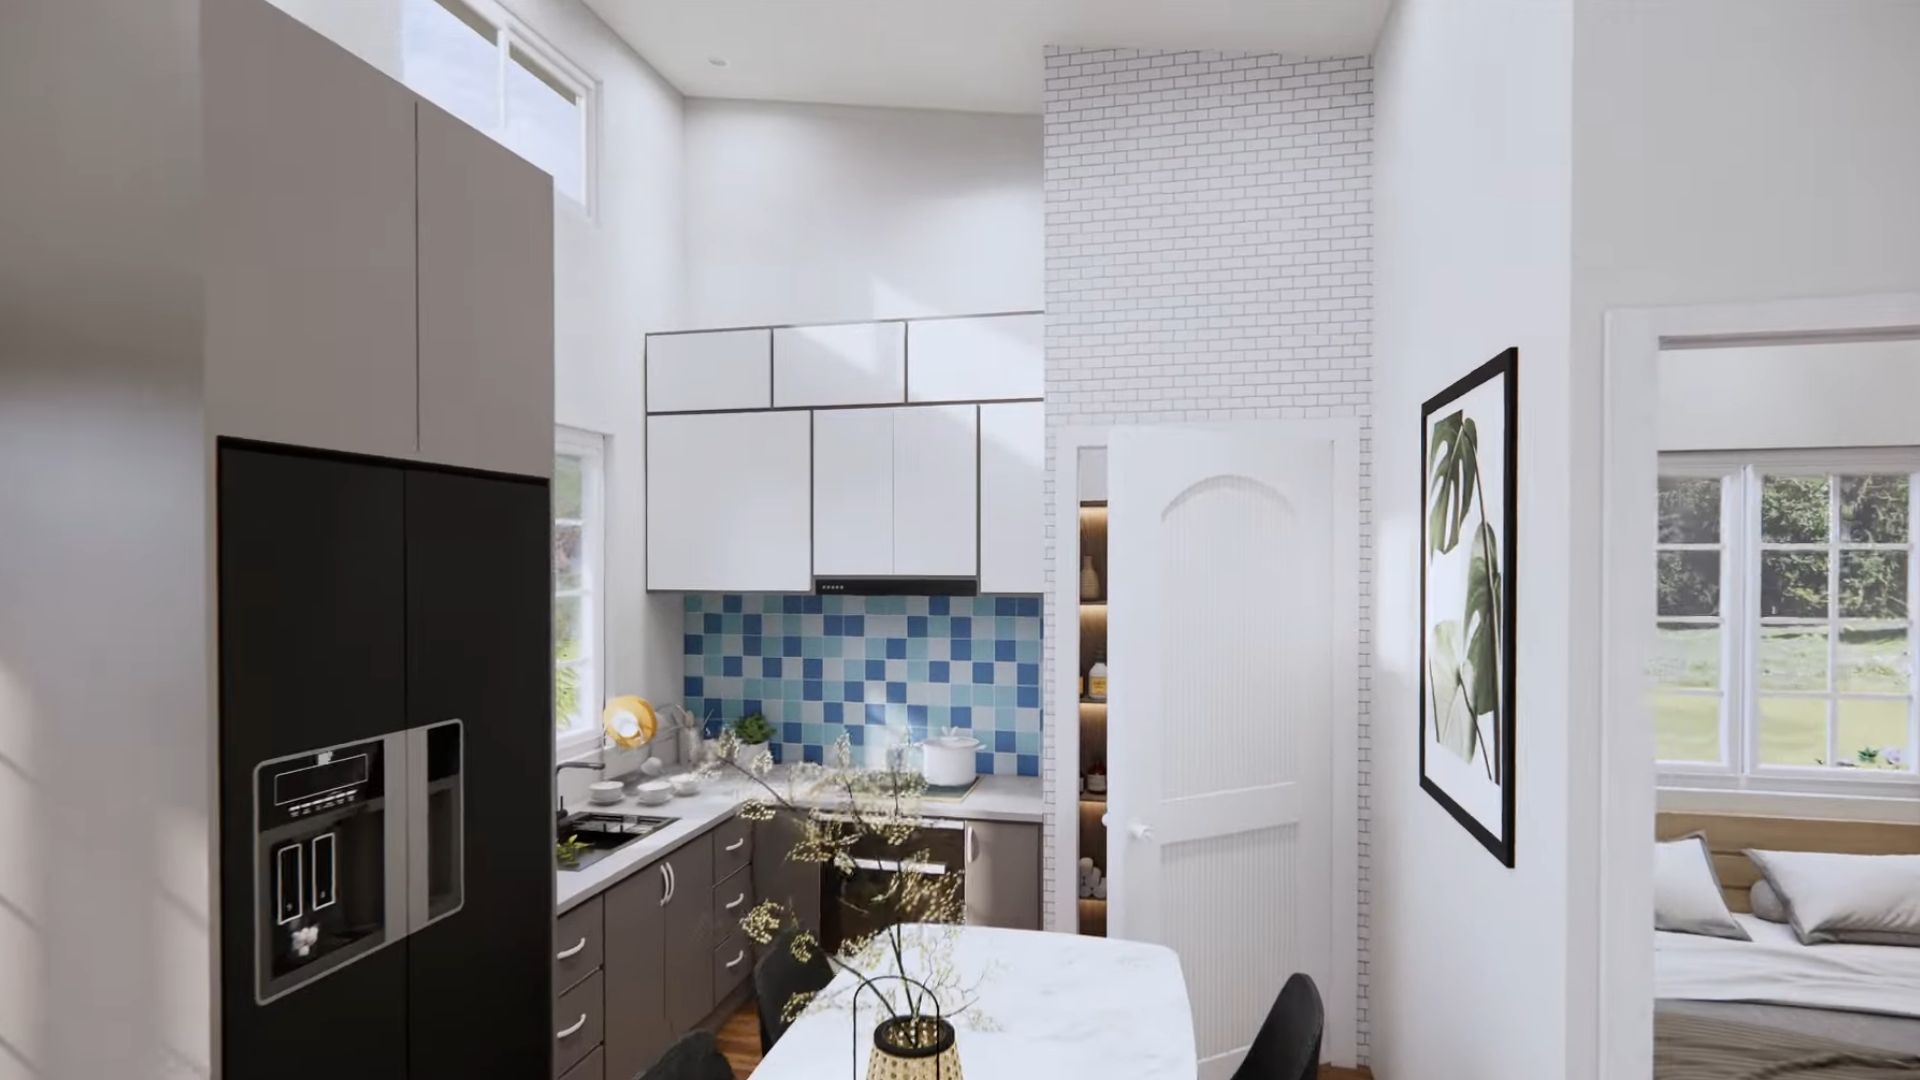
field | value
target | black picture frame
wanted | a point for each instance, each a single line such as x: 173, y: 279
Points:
x: 1504, y: 367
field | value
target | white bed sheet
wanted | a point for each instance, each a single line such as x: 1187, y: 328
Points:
x: 1775, y: 969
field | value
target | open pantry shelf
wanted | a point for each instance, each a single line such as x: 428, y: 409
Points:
x: 1092, y: 914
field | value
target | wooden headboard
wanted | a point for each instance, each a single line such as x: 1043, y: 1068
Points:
x: 1730, y: 836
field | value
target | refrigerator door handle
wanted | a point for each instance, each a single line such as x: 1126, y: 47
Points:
x: 436, y: 822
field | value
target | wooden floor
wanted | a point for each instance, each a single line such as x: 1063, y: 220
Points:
x: 740, y: 1041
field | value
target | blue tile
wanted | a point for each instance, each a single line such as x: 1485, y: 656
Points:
x: 917, y: 626
x: 983, y: 762
x: 937, y: 670
x: 876, y: 670
x: 730, y: 665
x: 1003, y: 742
x: 1028, y: 607
x: 693, y: 687
x: 779, y: 754
x: 751, y: 624
x: 695, y: 602
x: 1006, y: 605
x: 770, y: 667
x: 790, y: 646
x: 791, y: 732
x: 750, y: 645
x: 938, y: 605
x: 792, y: 605
x: 1029, y: 765
x: 962, y: 716
x: 1029, y: 697
x: 694, y: 644
x: 811, y: 605
x: 815, y: 754
x: 855, y: 625
x: 831, y: 625
x: 813, y: 690
x: 982, y: 674
x: 712, y: 622
x: 917, y: 714
x: 962, y: 648
x: 853, y: 691
x: 835, y: 712
x: 731, y: 603
x: 896, y: 693
x: 1003, y: 650
x: 1027, y: 674
x: 960, y: 627
x: 811, y: 669
x: 751, y: 706
x: 876, y: 714
x: 896, y: 648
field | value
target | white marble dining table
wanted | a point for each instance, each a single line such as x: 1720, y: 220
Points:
x: 1054, y: 1006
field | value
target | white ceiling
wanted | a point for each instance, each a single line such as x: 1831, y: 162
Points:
x: 982, y: 55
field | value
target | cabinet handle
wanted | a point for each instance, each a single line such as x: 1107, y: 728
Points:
x: 666, y: 883
x: 733, y: 963
x: 568, y: 954
x: 973, y: 845
x: 737, y: 901
x: 737, y: 844
x: 572, y: 1029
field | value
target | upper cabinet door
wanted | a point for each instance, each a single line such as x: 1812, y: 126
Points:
x: 853, y: 492
x: 716, y: 369
x: 976, y: 359
x: 310, y: 237
x: 855, y: 364
x: 727, y: 502
x: 1013, y: 450
x: 936, y: 491
x: 486, y: 302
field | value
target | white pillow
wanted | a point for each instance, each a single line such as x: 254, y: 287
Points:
x: 1857, y: 899
x: 1686, y: 892
x: 1767, y: 903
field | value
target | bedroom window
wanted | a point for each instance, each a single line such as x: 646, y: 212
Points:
x: 1785, y: 651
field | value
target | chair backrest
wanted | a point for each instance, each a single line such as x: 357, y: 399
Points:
x: 1288, y: 1045
x: 695, y: 1057
x: 778, y: 977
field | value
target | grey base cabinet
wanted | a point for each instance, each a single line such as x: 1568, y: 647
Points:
x: 794, y: 885
x: 636, y: 964
x: 689, y: 927
x: 1003, y: 875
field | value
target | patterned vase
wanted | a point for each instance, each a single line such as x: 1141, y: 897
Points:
x: 914, y: 1048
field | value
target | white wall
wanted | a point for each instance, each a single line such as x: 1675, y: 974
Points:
x: 1725, y: 150
x: 820, y: 213
x: 1470, y: 960
x: 1779, y: 396
x: 105, y: 742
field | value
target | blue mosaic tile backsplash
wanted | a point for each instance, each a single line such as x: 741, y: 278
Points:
x: 820, y: 665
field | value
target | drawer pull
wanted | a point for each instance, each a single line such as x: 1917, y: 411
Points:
x: 737, y: 844
x: 737, y: 901
x: 733, y: 963
x: 572, y: 1029
x: 568, y: 954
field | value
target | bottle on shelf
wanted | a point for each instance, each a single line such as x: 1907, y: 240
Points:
x: 1097, y: 679
x: 1089, y: 579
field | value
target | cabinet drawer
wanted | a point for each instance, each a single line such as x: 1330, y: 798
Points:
x: 853, y: 364
x: 976, y: 359
x: 578, y: 945
x: 732, y: 963
x: 732, y: 847
x: 732, y: 899
x: 591, y: 1067
x: 725, y: 369
x: 577, y: 1020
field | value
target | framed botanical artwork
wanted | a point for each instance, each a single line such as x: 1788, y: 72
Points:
x: 1468, y: 510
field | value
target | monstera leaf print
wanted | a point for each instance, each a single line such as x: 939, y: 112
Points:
x: 1455, y: 453
x: 1465, y: 681
x: 1453, y: 724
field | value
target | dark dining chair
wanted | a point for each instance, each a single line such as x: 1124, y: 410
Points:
x: 695, y: 1057
x: 1288, y: 1045
x: 777, y: 977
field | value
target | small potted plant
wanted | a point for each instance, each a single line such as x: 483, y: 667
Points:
x: 753, y: 732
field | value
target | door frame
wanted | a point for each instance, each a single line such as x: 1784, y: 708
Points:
x: 1627, y: 794
x: 1341, y: 995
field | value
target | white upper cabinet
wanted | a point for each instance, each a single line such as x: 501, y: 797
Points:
x: 936, y: 491
x: 718, y: 369
x: 310, y: 330
x: 853, y: 492
x: 854, y: 364
x: 727, y: 502
x: 1013, y: 450
x: 486, y: 302
x: 987, y: 358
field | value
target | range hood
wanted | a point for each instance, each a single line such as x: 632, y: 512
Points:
x: 896, y: 586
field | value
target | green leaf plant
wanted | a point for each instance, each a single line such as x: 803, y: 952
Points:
x: 1465, y: 682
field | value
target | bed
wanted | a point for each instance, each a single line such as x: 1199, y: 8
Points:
x: 1772, y: 1007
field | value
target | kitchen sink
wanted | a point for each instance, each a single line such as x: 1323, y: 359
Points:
x: 602, y: 834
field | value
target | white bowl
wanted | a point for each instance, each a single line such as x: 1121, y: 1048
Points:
x: 685, y: 784
x: 606, y: 792
x: 653, y: 793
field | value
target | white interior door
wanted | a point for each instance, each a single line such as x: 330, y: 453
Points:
x: 1222, y: 574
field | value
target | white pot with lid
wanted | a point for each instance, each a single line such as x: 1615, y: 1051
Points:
x: 948, y: 761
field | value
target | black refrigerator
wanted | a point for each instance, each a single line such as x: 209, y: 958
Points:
x: 386, y: 741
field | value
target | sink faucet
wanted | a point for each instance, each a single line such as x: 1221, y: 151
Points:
x: 596, y: 766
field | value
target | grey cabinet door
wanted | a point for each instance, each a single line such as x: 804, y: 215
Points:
x: 635, y: 918
x: 688, y: 917
x: 1003, y: 875
x: 794, y: 885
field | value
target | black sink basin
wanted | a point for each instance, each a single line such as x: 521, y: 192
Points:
x: 602, y: 834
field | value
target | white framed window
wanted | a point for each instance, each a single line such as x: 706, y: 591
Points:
x: 579, y: 610
x: 1785, y: 651
x: 481, y: 63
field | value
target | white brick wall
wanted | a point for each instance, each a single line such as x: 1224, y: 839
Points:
x: 1209, y: 255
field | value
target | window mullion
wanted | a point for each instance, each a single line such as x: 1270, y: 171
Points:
x: 1833, y: 619
x: 1749, y: 534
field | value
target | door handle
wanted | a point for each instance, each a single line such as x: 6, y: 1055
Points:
x: 572, y: 1029
x: 666, y: 884
x: 737, y: 844
x: 568, y: 954
x: 1140, y: 831
x: 737, y: 901
x: 735, y: 962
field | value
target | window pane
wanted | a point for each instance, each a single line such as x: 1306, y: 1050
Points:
x: 1874, y: 659
x: 1690, y: 583
x: 1689, y: 510
x: 1793, y: 584
x: 568, y: 627
x: 543, y: 126
x: 1794, y: 509
x: 1793, y: 731
x: 451, y: 62
x: 569, y: 683
x: 569, y: 572
x: 1873, y: 584
x: 1687, y: 726
x: 1687, y: 654
x: 1873, y: 509
x: 568, y: 471
x: 1793, y: 658
x: 1873, y: 734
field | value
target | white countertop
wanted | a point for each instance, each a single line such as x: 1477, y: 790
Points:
x: 993, y: 798
x: 1060, y: 1006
